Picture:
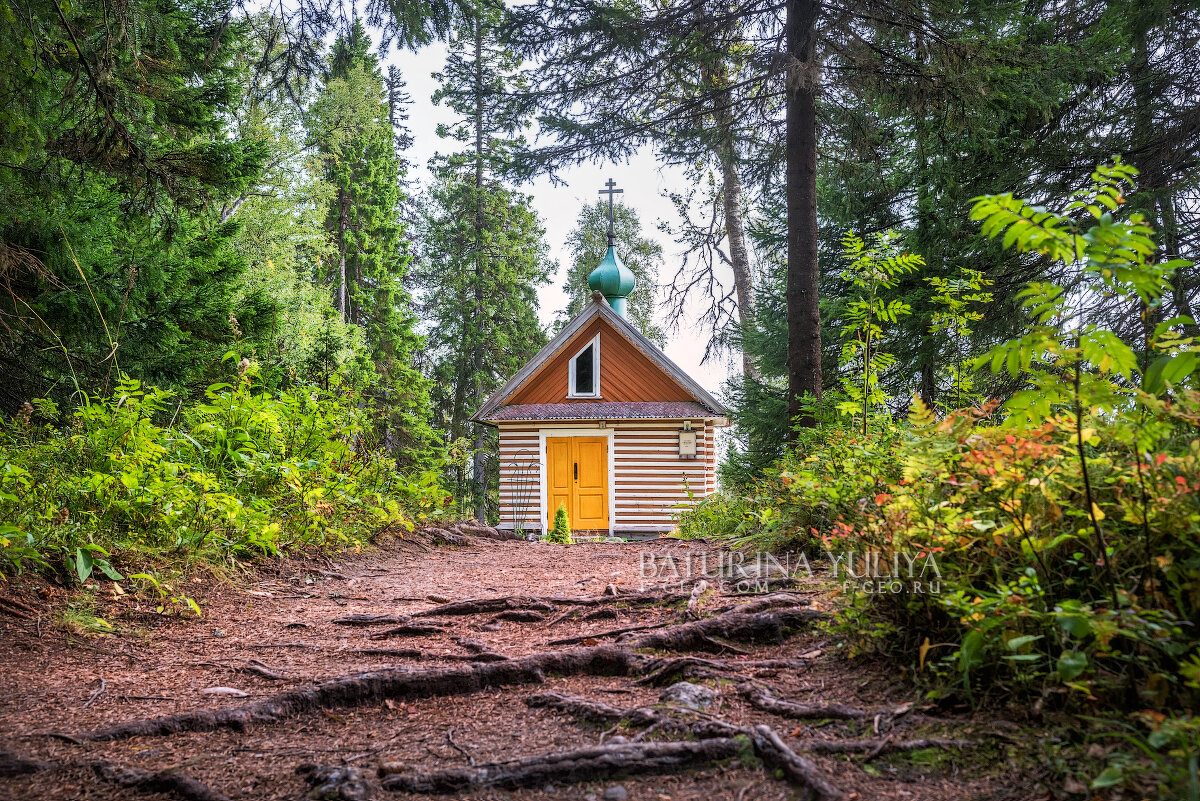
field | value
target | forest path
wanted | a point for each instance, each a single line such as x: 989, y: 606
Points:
x: 282, y: 623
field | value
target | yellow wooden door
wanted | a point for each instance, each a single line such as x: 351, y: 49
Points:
x: 591, y: 485
x: 558, y: 476
x: 577, y: 477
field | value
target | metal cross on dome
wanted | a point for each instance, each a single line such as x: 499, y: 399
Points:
x: 610, y: 191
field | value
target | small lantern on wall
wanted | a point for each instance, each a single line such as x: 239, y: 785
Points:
x: 687, y: 441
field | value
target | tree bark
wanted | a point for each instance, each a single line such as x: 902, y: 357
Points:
x: 1153, y: 182
x: 478, y: 465
x: 735, y: 229
x: 716, y: 78
x: 803, y: 312
x: 343, y: 224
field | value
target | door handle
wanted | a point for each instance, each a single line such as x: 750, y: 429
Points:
x: 577, y: 471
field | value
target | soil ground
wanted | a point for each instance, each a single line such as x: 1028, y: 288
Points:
x: 281, y: 616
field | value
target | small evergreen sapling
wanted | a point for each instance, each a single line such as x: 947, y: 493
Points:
x: 561, y: 533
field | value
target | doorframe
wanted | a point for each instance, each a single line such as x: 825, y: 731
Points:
x: 610, y: 455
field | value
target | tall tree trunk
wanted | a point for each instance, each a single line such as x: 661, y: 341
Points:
x: 343, y: 225
x: 478, y: 465
x: 1153, y: 185
x: 715, y: 77
x: 803, y: 312
x: 735, y: 224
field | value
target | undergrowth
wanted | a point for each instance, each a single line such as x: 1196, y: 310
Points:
x: 1061, y: 528
x: 142, y: 479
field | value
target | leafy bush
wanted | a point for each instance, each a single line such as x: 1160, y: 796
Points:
x: 134, y: 478
x: 1064, y: 523
x: 821, y: 482
x: 561, y: 532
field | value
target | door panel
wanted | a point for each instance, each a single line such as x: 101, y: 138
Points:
x: 591, y: 489
x: 577, y: 476
x: 558, y: 472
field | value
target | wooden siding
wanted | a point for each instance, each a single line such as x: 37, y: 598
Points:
x: 626, y: 374
x: 650, y: 479
x: 520, y: 478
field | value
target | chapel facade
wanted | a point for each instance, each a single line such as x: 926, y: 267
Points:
x: 601, y: 422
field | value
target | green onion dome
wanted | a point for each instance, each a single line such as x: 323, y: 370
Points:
x: 613, y: 279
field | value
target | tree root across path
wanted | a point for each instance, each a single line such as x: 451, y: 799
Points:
x: 405, y: 683
x: 768, y: 745
x: 761, y: 699
x: 581, y: 764
x: 798, y: 770
x: 480, y: 606
x: 166, y: 781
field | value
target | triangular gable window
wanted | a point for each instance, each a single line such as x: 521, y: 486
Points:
x: 585, y: 371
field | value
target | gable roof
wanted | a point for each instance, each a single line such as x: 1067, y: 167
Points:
x: 599, y: 309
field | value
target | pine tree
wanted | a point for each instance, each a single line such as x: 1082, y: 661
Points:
x: 483, y: 250
x: 109, y: 257
x: 350, y: 123
x: 588, y: 242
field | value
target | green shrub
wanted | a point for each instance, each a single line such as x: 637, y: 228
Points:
x: 561, y: 532
x: 136, y: 479
x: 1065, y: 523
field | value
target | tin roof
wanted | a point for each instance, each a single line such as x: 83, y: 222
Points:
x: 612, y: 410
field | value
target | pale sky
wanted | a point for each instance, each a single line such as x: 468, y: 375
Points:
x: 558, y: 206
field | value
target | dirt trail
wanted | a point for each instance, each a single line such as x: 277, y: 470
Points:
x: 266, y: 635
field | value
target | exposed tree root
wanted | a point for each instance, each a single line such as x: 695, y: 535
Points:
x: 418, y: 654
x: 467, y: 529
x: 603, y: 613
x: 404, y: 683
x: 604, y: 634
x: 371, y: 620
x: 581, y: 764
x: 594, y: 710
x: 669, y: 670
x: 399, y: 653
x: 799, y: 770
x: 13, y: 765
x: 762, y: 603
x: 166, y: 781
x: 373, y: 686
x: 410, y: 630
x: 480, y: 606
x: 736, y: 626
x: 442, y: 537
x: 874, y: 748
x: 759, y: 698
x: 259, y: 669
x: 17, y: 608
x: 520, y: 616
x: 478, y: 650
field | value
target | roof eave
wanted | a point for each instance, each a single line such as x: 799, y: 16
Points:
x: 533, y: 365
x: 639, y: 340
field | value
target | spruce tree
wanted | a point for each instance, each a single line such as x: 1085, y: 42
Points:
x: 483, y: 250
x: 109, y: 255
x: 350, y: 125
